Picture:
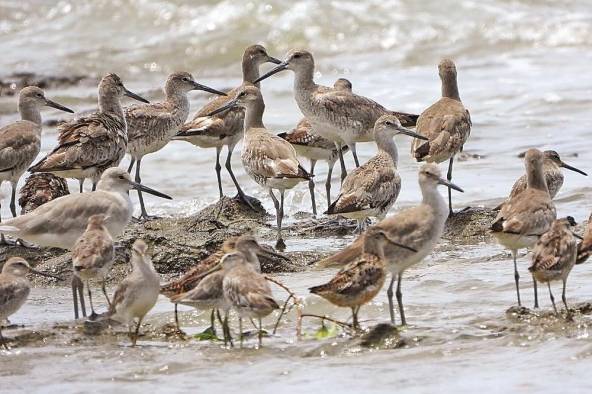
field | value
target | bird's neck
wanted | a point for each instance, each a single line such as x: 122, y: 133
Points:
x: 110, y: 104
x: 30, y: 113
x: 535, y: 179
x: 178, y: 103
x: 431, y: 197
x: 386, y: 144
x: 450, y: 87
x: 250, y: 71
x: 304, y: 79
x: 254, y: 115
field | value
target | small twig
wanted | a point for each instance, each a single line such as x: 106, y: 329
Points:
x: 297, y: 302
x: 277, y: 323
x: 324, y: 317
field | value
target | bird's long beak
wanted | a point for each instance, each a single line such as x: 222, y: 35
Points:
x: 400, y: 245
x: 34, y: 271
x: 199, y: 86
x: 280, y: 67
x: 274, y: 60
x: 450, y: 185
x: 411, y: 133
x: 567, y: 166
x: 55, y: 105
x: 135, y: 96
x: 215, y: 268
x: 263, y: 252
x: 231, y: 104
x: 147, y: 189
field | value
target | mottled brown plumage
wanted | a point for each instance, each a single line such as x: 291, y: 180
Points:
x: 39, y: 189
x: 585, y: 246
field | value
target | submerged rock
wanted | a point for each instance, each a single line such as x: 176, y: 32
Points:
x: 382, y: 336
x: 470, y: 226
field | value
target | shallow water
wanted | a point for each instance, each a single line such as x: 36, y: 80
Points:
x: 523, y: 73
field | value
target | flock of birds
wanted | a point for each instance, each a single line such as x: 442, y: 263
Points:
x: 335, y: 119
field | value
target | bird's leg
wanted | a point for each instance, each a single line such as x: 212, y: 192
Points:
x: 536, y: 293
x: 399, y: 295
x: 552, y: 298
x: 94, y: 185
x: 81, y: 185
x: 75, y: 297
x: 389, y: 294
x: 13, y: 199
x: 218, y: 170
x: 280, y: 243
x: 212, y: 321
x: 260, y: 333
x: 328, y: 182
x: 93, y: 315
x: 563, y: 298
x: 3, y: 340
x: 143, y: 214
x: 352, y: 146
x: 354, y: 318
x: 240, y: 331
x: 177, y: 317
x: 341, y: 161
x: 136, y: 333
x: 226, y: 327
x: 311, y: 187
x: 516, y: 277
x: 244, y: 198
x: 449, y: 177
x: 131, y: 165
x: 105, y: 294
x: 77, y: 283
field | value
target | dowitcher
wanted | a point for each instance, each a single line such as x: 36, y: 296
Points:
x: 340, y: 116
x: 15, y: 288
x: 552, y: 165
x: 373, y: 188
x: 60, y: 222
x: 20, y: 141
x: 554, y: 255
x: 137, y: 293
x: 526, y: 216
x: 359, y: 281
x: 225, y: 128
x: 268, y: 159
x: 151, y: 126
x: 92, y: 258
x: 447, y: 124
x: 39, y: 189
x: 88, y: 146
x: 314, y: 148
x: 419, y: 227
x: 585, y: 245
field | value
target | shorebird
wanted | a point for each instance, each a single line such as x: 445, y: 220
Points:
x: 137, y: 293
x: 359, y: 281
x: 526, y: 216
x: 338, y: 115
x: 447, y: 124
x: 554, y: 255
x: 92, y: 258
x: 39, y: 189
x: 88, y: 146
x: 15, y: 288
x: 225, y: 128
x: 419, y: 227
x: 314, y: 148
x: 268, y: 159
x: 20, y: 141
x: 552, y: 165
x: 585, y: 246
x: 60, y: 222
x: 373, y: 188
x: 151, y: 126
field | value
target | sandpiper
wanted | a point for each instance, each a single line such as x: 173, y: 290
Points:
x: 359, y: 281
x: 314, y: 148
x: 585, y: 245
x: 60, y: 222
x: 526, y: 216
x: 554, y: 255
x: 39, y: 189
x: 225, y: 128
x: 340, y: 116
x: 15, y: 288
x: 552, y: 165
x: 151, y: 126
x: 373, y: 188
x: 447, y: 124
x: 20, y: 141
x: 88, y: 146
x: 268, y: 159
x: 92, y: 258
x: 419, y: 227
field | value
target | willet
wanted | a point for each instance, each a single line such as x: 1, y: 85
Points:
x: 340, y: 116
x: 151, y: 126
x: 314, y: 148
x: 359, y: 281
x: 137, y: 293
x: 225, y: 128
x: 20, y: 141
x: 554, y: 255
x: 373, y: 188
x: 15, y: 288
x: 526, y: 216
x: 60, y: 222
x: 92, y: 258
x: 419, y: 227
x: 268, y: 159
x: 39, y: 189
x: 585, y: 246
x: 88, y: 146
x: 552, y: 165
x: 447, y: 124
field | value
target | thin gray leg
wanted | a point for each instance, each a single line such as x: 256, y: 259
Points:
x: 352, y: 146
x: 399, y: 295
x: 218, y: 170
x: 516, y: 277
x: 328, y: 182
x: 341, y: 161
x: 311, y: 187
x: 449, y: 177
x: 389, y: 294
x: 138, y: 179
x: 551, y: 296
x: 81, y: 185
x: 563, y: 298
x: 13, y: 199
x: 536, y: 292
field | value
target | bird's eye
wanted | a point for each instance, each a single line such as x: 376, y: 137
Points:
x: 121, y: 177
x: 39, y: 95
x: 297, y: 56
x: 241, y: 94
x: 389, y: 123
x: 186, y: 79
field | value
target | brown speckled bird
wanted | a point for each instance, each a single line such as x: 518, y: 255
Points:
x: 39, y: 189
x: 585, y: 246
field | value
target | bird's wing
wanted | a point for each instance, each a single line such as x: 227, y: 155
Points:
x: 19, y: 144
x: 11, y: 291
x: 366, y: 110
x: 273, y: 156
x: 93, y: 249
x: 357, y: 275
x: 142, y: 118
x: 530, y: 213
